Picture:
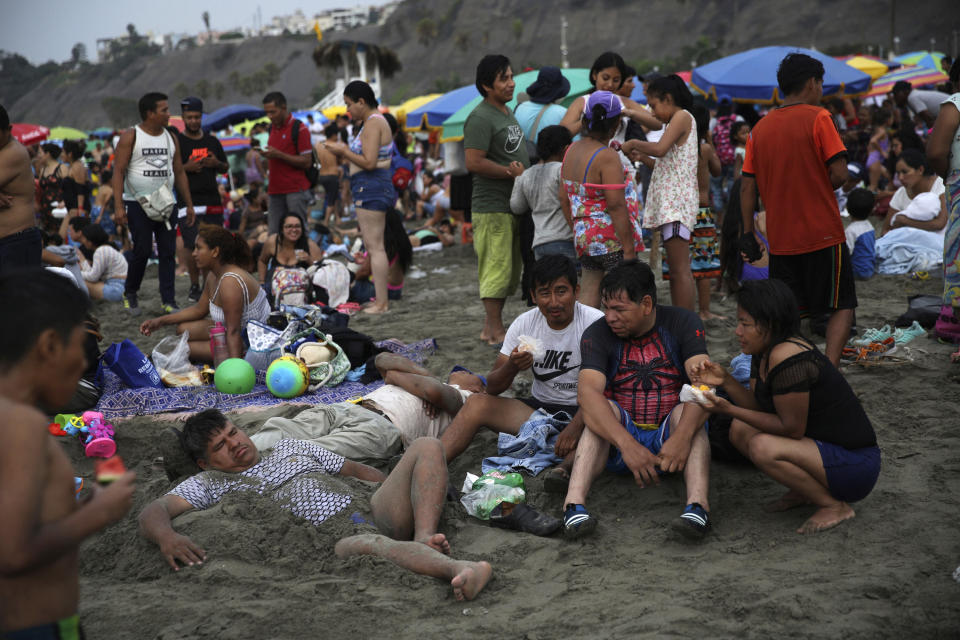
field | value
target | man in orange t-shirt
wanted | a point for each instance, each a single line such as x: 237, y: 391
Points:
x: 796, y: 159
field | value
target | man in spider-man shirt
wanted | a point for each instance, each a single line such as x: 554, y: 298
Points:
x: 634, y: 362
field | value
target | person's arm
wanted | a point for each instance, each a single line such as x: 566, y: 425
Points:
x: 565, y: 203
x: 938, y: 144
x: 679, y: 126
x: 611, y: 173
x: 361, y: 471
x: 715, y: 375
x: 838, y: 171
x: 675, y: 451
x: 518, y: 198
x: 266, y: 252
x: 570, y: 436
x: 641, y: 115
x: 386, y: 362
x: 120, y: 163
x: 156, y: 525
x: 316, y: 253
x: 571, y: 119
x: 478, y: 163
x: 599, y: 418
x: 180, y: 179
x: 713, y: 160
x: 935, y: 224
x: 92, y: 272
x: 27, y: 542
x: 243, y: 227
x: 217, y: 161
x: 506, y: 368
x: 232, y: 301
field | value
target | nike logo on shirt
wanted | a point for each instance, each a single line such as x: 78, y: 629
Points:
x: 545, y: 377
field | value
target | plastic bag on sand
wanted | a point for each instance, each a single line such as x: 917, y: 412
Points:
x: 171, y: 357
x: 482, y: 495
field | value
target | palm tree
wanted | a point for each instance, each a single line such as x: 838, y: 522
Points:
x: 327, y: 54
x: 206, y: 21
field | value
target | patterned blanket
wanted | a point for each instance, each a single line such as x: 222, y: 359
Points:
x: 119, y: 401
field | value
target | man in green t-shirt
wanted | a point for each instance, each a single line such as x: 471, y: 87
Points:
x: 496, y: 154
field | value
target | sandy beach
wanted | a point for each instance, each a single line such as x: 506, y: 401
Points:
x: 886, y: 573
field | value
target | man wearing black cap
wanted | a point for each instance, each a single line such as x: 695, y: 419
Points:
x: 203, y: 159
x: 539, y: 111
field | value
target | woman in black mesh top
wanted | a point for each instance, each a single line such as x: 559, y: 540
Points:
x: 802, y: 425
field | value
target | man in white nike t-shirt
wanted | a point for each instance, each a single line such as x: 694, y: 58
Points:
x: 557, y: 324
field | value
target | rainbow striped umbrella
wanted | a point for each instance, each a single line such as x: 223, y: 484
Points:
x: 917, y: 76
x: 929, y: 59
x: 234, y: 143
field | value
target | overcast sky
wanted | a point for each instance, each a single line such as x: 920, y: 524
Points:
x: 41, y: 30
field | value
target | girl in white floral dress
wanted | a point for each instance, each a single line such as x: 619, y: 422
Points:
x: 673, y: 198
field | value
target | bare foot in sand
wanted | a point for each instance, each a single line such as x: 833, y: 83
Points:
x: 438, y: 542
x: 790, y: 500
x: 470, y: 579
x: 376, y: 309
x: 707, y: 315
x: 826, y: 518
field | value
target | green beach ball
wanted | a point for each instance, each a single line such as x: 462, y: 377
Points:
x: 287, y: 377
x: 234, y: 375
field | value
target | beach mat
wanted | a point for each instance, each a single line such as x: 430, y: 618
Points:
x: 119, y: 401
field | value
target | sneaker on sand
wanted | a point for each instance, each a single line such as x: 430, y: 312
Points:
x: 523, y: 517
x: 170, y: 307
x: 903, y: 335
x: 577, y: 522
x: 194, y: 295
x: 693, y: 523
x: 130, y: 304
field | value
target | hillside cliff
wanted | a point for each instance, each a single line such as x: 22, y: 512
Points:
x: 439, y: 42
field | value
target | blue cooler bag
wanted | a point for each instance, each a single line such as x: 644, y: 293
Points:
x: 129, y: 363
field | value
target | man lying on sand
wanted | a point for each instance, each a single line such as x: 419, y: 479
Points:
x: 412, y: 404
x: 41, y: 523
x: 557, y: 323
x: 406, y: 507
x: 635, y: 361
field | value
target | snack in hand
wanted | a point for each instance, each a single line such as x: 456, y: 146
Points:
x: 106, y: 471
x: 695, y: 393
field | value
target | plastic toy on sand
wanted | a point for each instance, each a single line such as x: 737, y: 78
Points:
x: 287, y: 377
x: 234, y: 375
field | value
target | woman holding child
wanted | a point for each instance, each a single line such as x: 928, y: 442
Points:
x: 226, y: 296
x: 802, y: 425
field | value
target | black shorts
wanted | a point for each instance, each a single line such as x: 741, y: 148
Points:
x: 189, y: 234
x: 822, y: 280
x: 331, y: 189
x: 535, y: 404
x: 461, y: 192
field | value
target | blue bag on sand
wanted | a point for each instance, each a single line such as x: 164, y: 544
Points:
x: 131, y: 366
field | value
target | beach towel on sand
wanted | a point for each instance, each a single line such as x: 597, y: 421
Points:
x: 119, y: 401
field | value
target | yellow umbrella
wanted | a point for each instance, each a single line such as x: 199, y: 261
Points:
x: 870, y: 66
x: 403, y: 109
x: 331, y: 113
x: 67, y: 133
x: 244, y: 127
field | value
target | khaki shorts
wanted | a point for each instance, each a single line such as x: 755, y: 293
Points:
x: 496, y: 240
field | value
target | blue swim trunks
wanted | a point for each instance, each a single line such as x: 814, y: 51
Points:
x: 652, y: 438
x: 851, y: 474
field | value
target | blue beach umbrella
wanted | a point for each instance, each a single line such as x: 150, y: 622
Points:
x: 751, y: 76
x: 436, y: 111
x: 929, y: 59
x: 231, y: 114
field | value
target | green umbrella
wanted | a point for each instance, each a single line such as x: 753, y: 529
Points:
x: 579, y: 85
x: 67, y: 133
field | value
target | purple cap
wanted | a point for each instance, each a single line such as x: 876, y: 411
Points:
x: 608, y: 101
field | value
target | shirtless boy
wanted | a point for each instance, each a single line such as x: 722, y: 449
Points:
x: 41, y: 523
x: 20, y: 243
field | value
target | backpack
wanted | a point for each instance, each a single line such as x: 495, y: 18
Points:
x: 290, y: 286
x: 528, y: 136
x: 402, y: 170
x: 359, y: 347
x: 721, y: 139
x: 313, y: 171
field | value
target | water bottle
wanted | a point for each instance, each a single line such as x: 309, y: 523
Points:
x: 218, y: 344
